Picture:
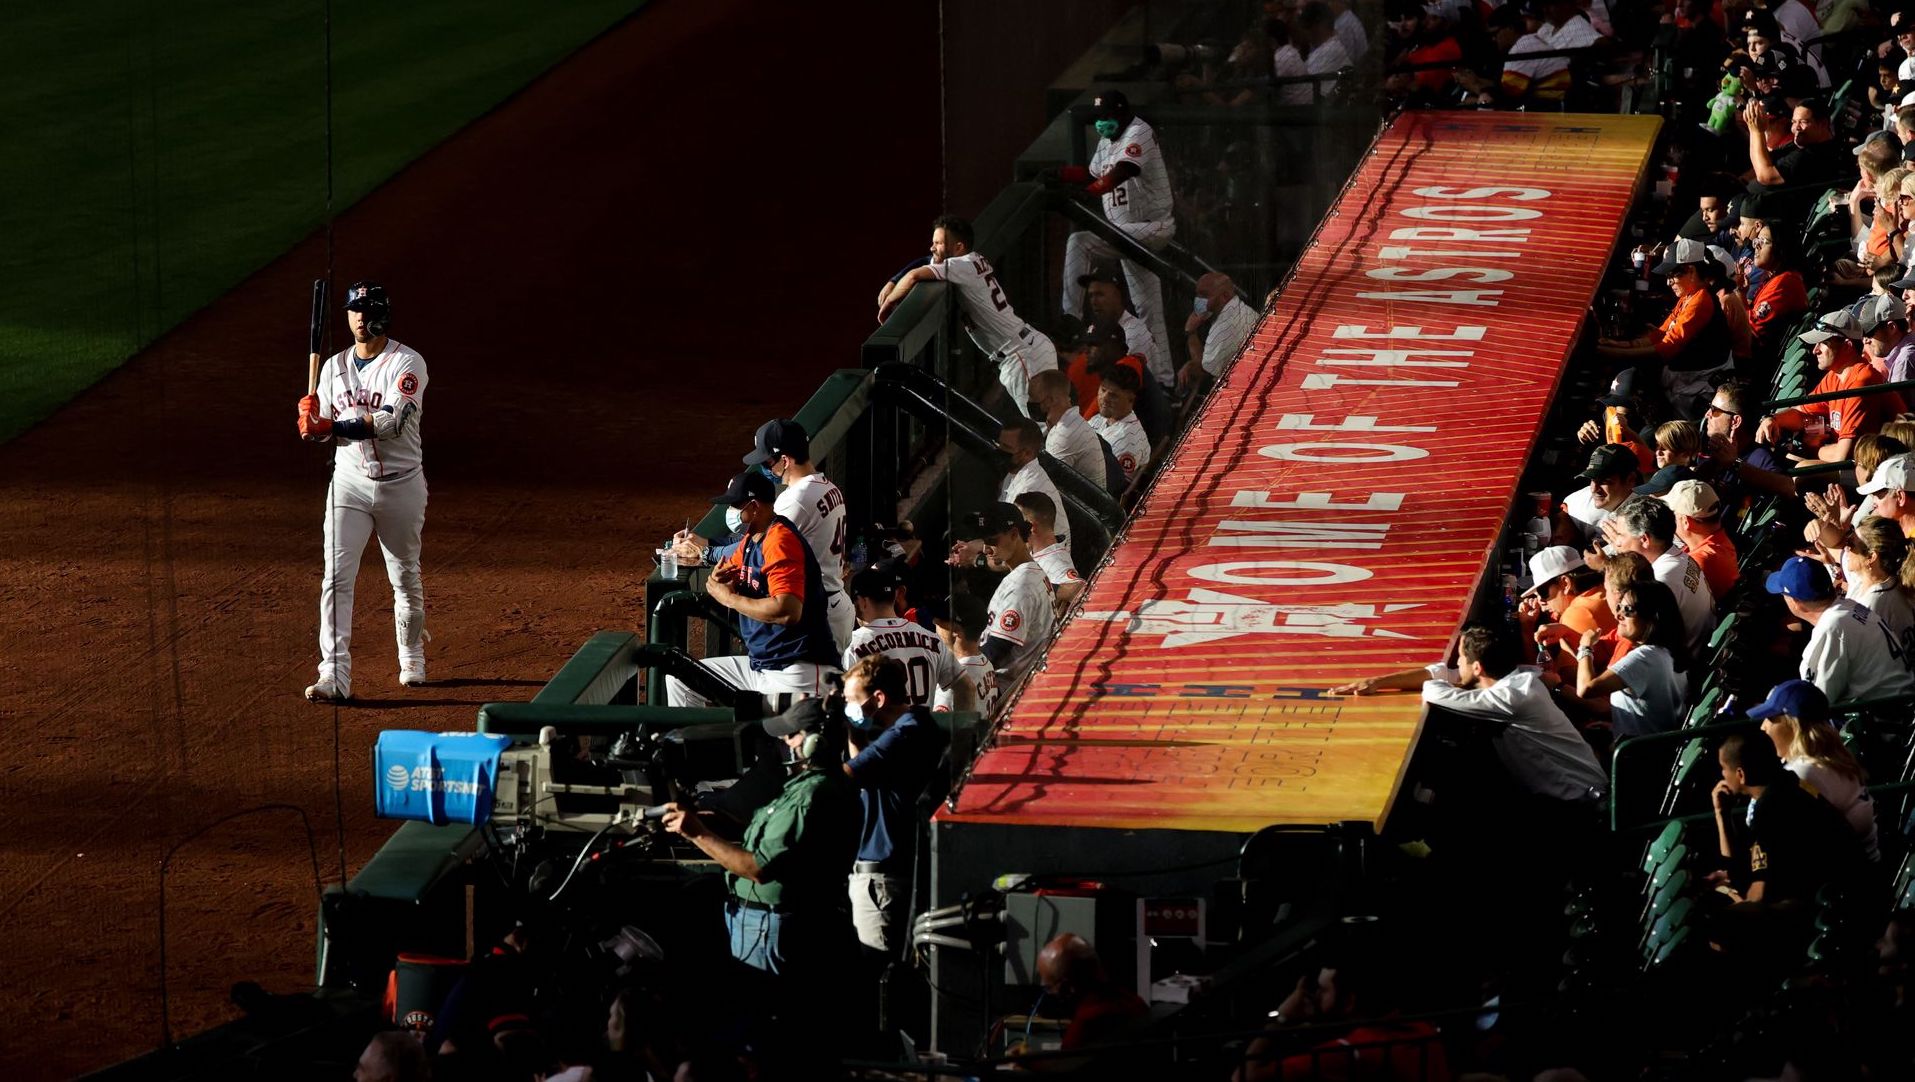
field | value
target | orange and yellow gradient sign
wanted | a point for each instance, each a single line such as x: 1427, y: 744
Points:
x: 1333, y: 508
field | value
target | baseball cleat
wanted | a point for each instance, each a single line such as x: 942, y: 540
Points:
x: 413, y: 679
x: 326, y: 691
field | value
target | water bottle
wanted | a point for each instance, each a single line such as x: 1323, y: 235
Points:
x: 668, y: 561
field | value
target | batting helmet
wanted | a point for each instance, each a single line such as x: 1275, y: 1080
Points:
x: 370, y: 298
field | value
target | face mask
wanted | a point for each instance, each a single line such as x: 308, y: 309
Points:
x: 1200, y: 306
x: 734, y: 519
x: 765, y: 468
x: 1107, y: 128
x: 894, y: 548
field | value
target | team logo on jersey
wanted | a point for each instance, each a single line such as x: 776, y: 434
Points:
x: 1134, y: 150
x: 1129, y: 462
x: 408, y: 383
x: 1011, y: 620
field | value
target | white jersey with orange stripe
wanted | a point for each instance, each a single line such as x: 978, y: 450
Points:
x: 387, y: 392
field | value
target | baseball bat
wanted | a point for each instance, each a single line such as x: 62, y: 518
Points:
x: 315, y: 332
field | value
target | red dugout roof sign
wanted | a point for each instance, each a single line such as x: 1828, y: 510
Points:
x: 1330, y: 512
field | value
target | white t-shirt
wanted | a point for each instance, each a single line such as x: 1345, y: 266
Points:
x: 1287, y: 62
x: 1144, y: 197
x: 1127, y: 441
x: 929, y: 665
x: 1229, y: 330
x: 1542, y: 750
x: 388, y: 392
x: 1055, y: 559
x: 1845, y: 795
x: 988, y: 315
x: 1021, y: 614
x: 1071, y: 441
x: 1537, y: 68
x: 1651, y: 697
x: 1030, y: 478
x: 816, y: 507
x: 1580, y: 505
x: 1577, y: 33
x: 1850, y: 656
x: 1327, y: 58
x: 1679, y: 571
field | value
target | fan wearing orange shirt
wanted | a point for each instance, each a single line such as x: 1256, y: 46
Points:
x: 1831, y: 426
x: 1566, y: 600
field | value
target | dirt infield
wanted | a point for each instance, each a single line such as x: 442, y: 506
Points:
x: 614, y: 277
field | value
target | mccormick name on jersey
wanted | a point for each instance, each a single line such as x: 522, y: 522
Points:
x: 910, y: 639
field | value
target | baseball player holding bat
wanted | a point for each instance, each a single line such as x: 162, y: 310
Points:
x: 367, y: 401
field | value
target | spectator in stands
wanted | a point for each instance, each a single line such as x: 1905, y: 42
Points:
x: 1890, y: 486
x: 1735, y: 460
x: 1021, y: 615
x: 1830, y: 427
x: 1350, y: 31
x: 1889, y: 347
x: 772, y: 581
x: 1286, y: 62
x: 1619, y: 572
x: 1699, y: 527
x: 1693, y: 342
x: 1117, y: 422
x: 1814, y: 163
x: 787, y: 875
x: 392, y: 1057
x: 1849, y: 655
x: 1021, y: 441
x: 1714, y: 221
x: 1880, y: 575
x: 1678, y: 443
x: 1049, y: 548
x: 1612, y: 475
x: 1645, y: 694
x: 884, y: 632
x: 1781, y: 297
x: 1076, y: 986
x: 1646, y: 525
x: 1542, y: 751
x: 1565, y: 601
x: 1018, y: 351
x: 1067, y: 436
x: 1795, y: 843
x: 1796, y: 718
x: 1104, y: 298
x: 1377, y: 1044
x: 1418, y: 35
x: 895, y: 748
x: 1219, y: 324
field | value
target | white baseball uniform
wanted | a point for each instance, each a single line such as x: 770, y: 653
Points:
x: 1071, y: 441
x: 816, y: 507
x: 1141, y: 207
x: 930, y: 667
x: 1021, y: 614
x: 378, y: 486
x: 1055, y: 559
x: 994, y: 326
x: 1229, y: 330
x: 976, y: 668
x: 1127, y: 441
x: 1030, y: 478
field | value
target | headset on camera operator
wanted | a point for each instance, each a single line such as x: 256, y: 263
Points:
x: 787, y: 878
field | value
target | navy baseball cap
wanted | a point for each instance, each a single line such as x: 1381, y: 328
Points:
x: 747, y: 486
x: 1622, y: 390
x: 783, y: 436
x: 1799, y: 699
x: 1664, y: 479
x: 878, y: 582
x: 1609, y: 460
x: 1802, y: 579
x: 1101, y: 272
x: 805, y: 715
x: 995, y: 519
x: 363, y: 296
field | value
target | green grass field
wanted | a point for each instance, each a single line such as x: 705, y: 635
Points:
x: 157, y: 154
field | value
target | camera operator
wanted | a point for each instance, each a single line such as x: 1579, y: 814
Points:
x: 787, y: 879
x: 895, y: 749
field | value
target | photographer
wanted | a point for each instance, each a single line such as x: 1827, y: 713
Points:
x: 787, y: 878
x: 895, y: 749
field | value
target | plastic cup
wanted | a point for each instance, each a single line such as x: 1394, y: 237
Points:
x: 668, y: 563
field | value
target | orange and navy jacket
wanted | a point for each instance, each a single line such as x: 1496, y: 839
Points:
x: 781, y: 563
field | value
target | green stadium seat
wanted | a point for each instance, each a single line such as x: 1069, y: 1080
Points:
x: 1690, y: 770
x: 1668, y: 947
x: 1706, y: 706
x: 1671, y: 922
x: 1658, y: 849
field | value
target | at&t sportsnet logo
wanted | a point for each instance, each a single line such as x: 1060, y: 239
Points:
x: 422, y: 779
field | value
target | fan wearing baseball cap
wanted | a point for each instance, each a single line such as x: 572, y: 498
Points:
x: 1566, y: 600
x: 1891, y: 487
x: 1612, y: 475
x: 1699, y: 528
x: 1836, y: 339
x: 1796, y: 718
x: 1646, y: 526
x: 1889, y: 346
x: 1694, y: 342
x: 1850, y: 654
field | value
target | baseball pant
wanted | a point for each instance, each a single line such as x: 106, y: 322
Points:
x: 1146, y: 291
x: 780, y: 687
x: 356, y: 509
x: 843, y: 618
x: 879, y: 909
x: 1018, y: 362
